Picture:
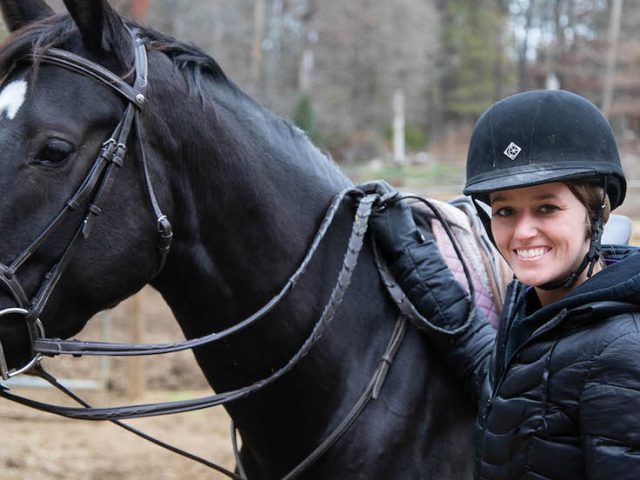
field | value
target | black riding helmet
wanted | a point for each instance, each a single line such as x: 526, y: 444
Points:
x: 541, y: 137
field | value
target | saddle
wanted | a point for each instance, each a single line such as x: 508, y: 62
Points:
x: 489, y: 272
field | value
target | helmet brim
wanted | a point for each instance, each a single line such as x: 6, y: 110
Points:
x: 537, y: 174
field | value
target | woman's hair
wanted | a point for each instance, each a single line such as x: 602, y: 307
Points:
x: 593, y: 198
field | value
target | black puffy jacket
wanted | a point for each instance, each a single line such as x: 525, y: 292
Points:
x: 558, y: 387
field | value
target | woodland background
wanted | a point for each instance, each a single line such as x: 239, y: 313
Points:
x: 333, y: 65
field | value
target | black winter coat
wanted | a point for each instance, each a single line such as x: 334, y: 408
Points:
x: 558, y: 387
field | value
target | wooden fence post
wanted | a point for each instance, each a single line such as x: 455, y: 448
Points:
x: 135, y: 365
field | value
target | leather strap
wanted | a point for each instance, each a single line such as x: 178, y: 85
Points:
x: 56, y: 346
x: 350, y: 259
x: 400, y: 298
x: 94, y: 190
x: 372, y: 390
x: 12, y: 285
x: 78, y: 64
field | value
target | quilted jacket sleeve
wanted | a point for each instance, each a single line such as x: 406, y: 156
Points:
x: 418, y: 267
x: 610, y: 412
x: 428, y: 283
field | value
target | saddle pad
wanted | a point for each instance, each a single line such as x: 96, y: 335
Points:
x: 489, y: 272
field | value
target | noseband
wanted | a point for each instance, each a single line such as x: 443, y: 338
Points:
x: 91, y: 195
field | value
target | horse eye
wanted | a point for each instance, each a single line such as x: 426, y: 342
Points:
x: 54, y: 152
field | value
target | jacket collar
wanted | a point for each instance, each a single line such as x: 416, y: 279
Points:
x: 614, y: 290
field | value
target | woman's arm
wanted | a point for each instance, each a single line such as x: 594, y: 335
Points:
x: 418, y: 267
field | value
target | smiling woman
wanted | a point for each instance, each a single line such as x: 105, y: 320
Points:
x: 558, y: 386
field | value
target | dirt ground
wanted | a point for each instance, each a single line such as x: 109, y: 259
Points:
x: 38, y: 446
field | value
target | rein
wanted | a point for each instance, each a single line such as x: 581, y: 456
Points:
x: 372, y: 390
x: 93, y: 192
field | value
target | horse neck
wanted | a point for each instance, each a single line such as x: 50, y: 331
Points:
x: 251, y: 192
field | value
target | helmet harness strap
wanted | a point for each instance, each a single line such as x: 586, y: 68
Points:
x: 592, y: 255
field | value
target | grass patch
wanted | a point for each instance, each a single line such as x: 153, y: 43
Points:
x: 423, y: 175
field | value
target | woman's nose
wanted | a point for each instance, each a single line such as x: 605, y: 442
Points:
x: 525, y: 227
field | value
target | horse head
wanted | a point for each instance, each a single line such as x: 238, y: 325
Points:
x: 79, y: 232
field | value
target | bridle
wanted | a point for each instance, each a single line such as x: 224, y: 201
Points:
x: 92, y: 194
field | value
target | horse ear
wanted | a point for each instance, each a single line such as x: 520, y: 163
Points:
x: 18, y: 13
x: 91, y: 17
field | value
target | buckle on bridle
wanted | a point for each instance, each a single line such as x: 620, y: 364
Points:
x: 165, y: 234
x: 36, y: 330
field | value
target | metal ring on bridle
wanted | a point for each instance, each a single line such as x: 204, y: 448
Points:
x: 36, y: 331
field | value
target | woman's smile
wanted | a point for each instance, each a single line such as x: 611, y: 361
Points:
x: 531, y: 254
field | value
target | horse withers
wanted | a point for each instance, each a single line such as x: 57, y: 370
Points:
x: 244, y: 192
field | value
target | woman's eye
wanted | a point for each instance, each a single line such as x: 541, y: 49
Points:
x: 54, y: 152
x: 503, y: 212
x: 548, y: 208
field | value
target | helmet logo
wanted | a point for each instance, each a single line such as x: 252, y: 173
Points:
x: 512, y: 151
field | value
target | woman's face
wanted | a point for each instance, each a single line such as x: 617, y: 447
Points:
x: 540, y: 231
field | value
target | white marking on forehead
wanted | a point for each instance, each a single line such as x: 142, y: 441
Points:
x: 12, y: 98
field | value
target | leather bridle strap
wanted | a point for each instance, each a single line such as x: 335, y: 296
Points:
x: 92, y: 193
x: 11, y: 284
x: 56, y: 346
x: 370, y: 392
x: 163, y: 226
x: 94, y: 209
x: 350, y: 260
x: 94, y: 189
x: 59, y: 386
x: 70, y: 61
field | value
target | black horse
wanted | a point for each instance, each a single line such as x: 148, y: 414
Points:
x: 245, y: 192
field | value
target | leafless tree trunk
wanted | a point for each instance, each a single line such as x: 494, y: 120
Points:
x: 523, y: 78
x: 614, y: 34
x: 258, y: 35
